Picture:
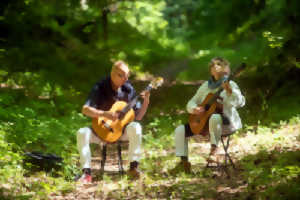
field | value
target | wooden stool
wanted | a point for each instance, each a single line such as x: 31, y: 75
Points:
x: 120, y: 161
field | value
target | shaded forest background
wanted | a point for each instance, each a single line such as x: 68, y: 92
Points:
x: 54, y: 47
x: 52, y: 52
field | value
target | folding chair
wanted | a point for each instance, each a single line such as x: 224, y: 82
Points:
x: 225, y: 147
x: 225, y: 139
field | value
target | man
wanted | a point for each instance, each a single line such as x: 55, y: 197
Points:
x: 225, y: 121
x: 103, y: 95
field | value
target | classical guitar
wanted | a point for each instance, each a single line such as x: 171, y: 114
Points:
x: 110, y: 131
x: 199, y: 122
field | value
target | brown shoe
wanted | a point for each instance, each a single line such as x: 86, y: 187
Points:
x: 187, y: 167
x: 184, y: 166
x: 134, y: 172
x: 212, y: 158
x: 213, y: 150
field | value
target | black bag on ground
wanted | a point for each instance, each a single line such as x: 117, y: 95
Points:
x: 42, y: 161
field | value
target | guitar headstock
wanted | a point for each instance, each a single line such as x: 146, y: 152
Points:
x: 157, y: 82
x: 239, y: 70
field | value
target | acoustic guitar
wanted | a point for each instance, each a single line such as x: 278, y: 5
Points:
x: 199, y: 122
x: 110, y: 131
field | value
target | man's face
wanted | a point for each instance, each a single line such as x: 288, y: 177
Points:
x: 119, y: 75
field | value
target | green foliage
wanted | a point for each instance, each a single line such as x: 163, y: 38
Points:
x: 160, y: 132
x: 73, y: 39
x: 273, y: 174
x: 32, y: 124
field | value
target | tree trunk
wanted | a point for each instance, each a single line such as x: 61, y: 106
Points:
x: 105, y: 23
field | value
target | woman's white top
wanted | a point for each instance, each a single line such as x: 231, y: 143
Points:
x: 230, y: 102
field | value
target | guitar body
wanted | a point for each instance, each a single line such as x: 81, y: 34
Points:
x: 198, y: 123
x: 112, y: 134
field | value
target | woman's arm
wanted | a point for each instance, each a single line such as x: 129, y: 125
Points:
x: 196, y: 99
x: 236, y: 98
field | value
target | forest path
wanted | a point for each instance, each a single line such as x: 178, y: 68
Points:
x: 157, y: 182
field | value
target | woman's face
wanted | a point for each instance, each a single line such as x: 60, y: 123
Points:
x: 216, y: 72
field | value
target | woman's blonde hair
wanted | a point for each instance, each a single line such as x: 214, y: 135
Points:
x: 221, y: 65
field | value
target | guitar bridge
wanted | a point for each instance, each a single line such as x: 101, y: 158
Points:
x: 107, y: 126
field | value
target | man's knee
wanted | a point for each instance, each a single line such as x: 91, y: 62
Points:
x: 83, y: 133
x: 134, y: 128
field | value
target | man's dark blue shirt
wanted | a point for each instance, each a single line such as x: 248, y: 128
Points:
x: 102, y: 95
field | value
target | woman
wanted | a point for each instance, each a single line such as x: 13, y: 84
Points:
x: 225, y: 121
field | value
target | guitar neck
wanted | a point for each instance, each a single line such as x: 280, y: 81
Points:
x: 214, y: 98
x: 131, y: 104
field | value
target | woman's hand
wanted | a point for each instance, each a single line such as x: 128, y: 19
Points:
x: 198, y: 110
x: 227, y: 87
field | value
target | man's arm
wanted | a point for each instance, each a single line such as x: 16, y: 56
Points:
x: 94, y: 113
x: 144, y: 107
x: 89, y: 108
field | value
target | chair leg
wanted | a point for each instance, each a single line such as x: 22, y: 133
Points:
x: 227, y: 156
x: 103, y: 157
x: 120, y: 162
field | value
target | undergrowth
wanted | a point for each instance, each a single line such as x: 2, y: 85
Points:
x: 270, y: 166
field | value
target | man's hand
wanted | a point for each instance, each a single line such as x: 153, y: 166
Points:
x: 145, y: 95
x: 110, y: 115
x: 198, y: 110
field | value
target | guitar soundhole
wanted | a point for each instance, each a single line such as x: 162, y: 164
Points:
x: 121, y: 114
